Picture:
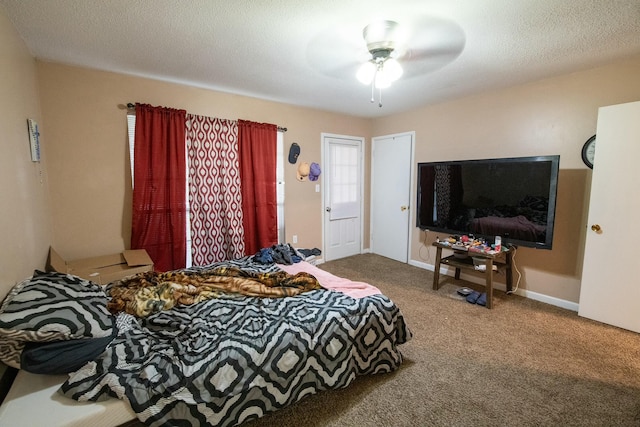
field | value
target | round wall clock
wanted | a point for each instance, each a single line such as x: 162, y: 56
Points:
x: 589, y: 151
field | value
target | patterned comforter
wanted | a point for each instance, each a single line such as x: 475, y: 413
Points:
x: 233, y: 358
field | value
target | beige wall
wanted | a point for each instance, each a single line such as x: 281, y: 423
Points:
x: 552, y: 116
x: 25, y: 227
x: 89, y: 165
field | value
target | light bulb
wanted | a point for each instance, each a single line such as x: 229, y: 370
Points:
x: 366, y: 72
x: 392, y: 69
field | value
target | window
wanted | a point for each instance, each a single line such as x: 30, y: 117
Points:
x: 131, y: 127
x: 345, y: 183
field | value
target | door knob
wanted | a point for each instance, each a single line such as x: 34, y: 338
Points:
x: 328, y: 209
x: 596, y: 228
x: 404, y: 208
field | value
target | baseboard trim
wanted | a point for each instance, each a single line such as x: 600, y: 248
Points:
x: 569, y: 305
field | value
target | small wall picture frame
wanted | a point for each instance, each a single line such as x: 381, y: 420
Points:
x: 34, y: 139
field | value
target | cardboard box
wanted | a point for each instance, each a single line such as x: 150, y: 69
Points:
x: 102, y: 269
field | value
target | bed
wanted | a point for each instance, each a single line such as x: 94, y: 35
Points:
x: 221, y: 361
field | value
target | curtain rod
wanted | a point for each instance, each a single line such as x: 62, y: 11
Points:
x: 132, y: 106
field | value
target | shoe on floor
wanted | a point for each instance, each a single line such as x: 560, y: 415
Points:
x: 482, y: 300
x: 472, y: 298
x: 464, y: 291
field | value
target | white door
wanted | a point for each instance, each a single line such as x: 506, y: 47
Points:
x: 391, y: 172
x: 342, y: 158
x: 609, y: 291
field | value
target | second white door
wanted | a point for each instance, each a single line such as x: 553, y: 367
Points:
x: 391, y: 172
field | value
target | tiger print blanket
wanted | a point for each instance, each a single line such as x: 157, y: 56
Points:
x: 151, y: 292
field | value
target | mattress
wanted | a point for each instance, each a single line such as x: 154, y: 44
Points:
x: 34, y: 401
x: 318, y: 340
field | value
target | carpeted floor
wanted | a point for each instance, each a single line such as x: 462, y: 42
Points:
x: 524, y: 363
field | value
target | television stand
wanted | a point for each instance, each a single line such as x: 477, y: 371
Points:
x: 502, y: 260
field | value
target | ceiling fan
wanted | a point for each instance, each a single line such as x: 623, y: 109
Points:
x: 382, y: 38
x: 385, y: 50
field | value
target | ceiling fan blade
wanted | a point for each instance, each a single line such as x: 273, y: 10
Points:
x: 337, y: 50
x: 433, y: 43
x: 427, y: 60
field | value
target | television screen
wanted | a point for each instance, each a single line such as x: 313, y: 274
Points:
x: 514, y: 198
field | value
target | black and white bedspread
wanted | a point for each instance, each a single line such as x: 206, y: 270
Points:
x: 227, y: 360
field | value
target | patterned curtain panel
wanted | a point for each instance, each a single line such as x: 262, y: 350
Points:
x: 215, y: 196
x: 449, y: 189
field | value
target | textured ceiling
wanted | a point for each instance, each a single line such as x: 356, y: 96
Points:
x: 307, y: 52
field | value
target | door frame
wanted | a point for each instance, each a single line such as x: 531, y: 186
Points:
x: 411, y: 189
x: 323, y: 140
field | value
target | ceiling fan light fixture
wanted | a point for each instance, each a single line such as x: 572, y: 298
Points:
x: 384, y: 72
x: 393, y: 69
x: 382, y: 69
x: 366, y: 73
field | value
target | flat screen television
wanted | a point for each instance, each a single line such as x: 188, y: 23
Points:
x: 514, y: 198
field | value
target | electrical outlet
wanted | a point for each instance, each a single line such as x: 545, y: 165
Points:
x: 295, y: 238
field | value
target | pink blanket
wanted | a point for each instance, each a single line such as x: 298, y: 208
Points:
x: 329, y: 281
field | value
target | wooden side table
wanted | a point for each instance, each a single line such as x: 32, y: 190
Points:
x: 502, y: 261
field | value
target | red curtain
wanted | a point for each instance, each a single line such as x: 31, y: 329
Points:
x: 257, y: 151
x: 159, y: 188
